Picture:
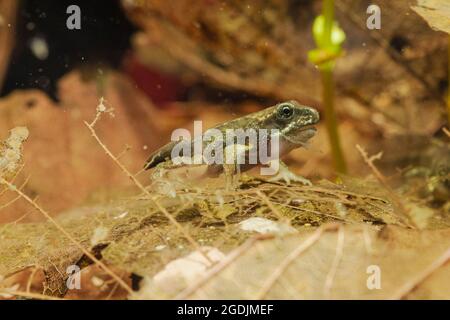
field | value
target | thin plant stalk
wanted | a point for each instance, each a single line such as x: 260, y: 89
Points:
x: 331, y: 120
x: 326, y: 71
x: 328, y: 13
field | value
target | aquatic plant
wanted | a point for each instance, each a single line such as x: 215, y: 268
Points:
x: 329, y: 38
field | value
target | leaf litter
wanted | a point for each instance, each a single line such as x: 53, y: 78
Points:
x: 135, y: 241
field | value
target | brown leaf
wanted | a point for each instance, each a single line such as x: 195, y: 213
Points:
x: 64, y: 163
x: 435, y: 12
x: 337, y: 265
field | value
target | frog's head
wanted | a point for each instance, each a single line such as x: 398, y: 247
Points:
x: 296, y: 122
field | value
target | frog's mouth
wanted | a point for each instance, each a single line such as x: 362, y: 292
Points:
x: 302, y: 135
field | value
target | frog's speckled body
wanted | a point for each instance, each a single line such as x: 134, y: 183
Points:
x: 294, y: 122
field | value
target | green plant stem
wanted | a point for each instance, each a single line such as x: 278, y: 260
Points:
x: 328, y: 14
x: 331, y: 120
x: 326, y: 71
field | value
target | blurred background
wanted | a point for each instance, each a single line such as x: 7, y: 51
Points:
x: 162, y: 64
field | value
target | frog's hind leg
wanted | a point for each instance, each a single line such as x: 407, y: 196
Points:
x: 286, y: 175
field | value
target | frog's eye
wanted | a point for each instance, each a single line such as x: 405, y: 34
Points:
x: 285, y: 111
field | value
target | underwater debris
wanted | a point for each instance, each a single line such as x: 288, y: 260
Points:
x: 178, y: 273
x: 435, y: 12
x: 265, y: 226
x: 137, y: 237
x: 11, y: 152
x: 134, y: 241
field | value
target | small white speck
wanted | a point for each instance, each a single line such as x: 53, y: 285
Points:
x: 5, y: 295
x: 262, y: 225
x: 96, y: 281
x: 186, y: 269
x: 99, y: 234
x: 39, y: 48
x: 122, y: 215
x: 298, y: 201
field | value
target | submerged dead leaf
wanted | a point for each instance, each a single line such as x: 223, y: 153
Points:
x: 11, y: 152
x: 435, y: 12
x: 178, y: 273
x: 408, y: 263
x: 142, y: 243
x: 63, y: 162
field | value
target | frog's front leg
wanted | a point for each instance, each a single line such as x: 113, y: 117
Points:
x: 230, y: 173
x: 160, y: 170
x: 231, y: 166
x: 161, y: 182
x: 286, y: 175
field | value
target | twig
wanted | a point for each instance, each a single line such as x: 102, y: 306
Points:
x: 369, y: 161
x: 427, y: 272
x: 112, y: 292
x: 446, y: 131
x: 16, y: 198
x: 337, y: 258
x: 29, y: 295
x: 367, y: 240
x: 13, y: 178
x: 224, y: 263
x: 270, y: 282
x: 63, y: 231
x: 269, y: 204
x: 306, y: 210
x: 382, y: 179
x: 31, y: 278
x: 143, y: 189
